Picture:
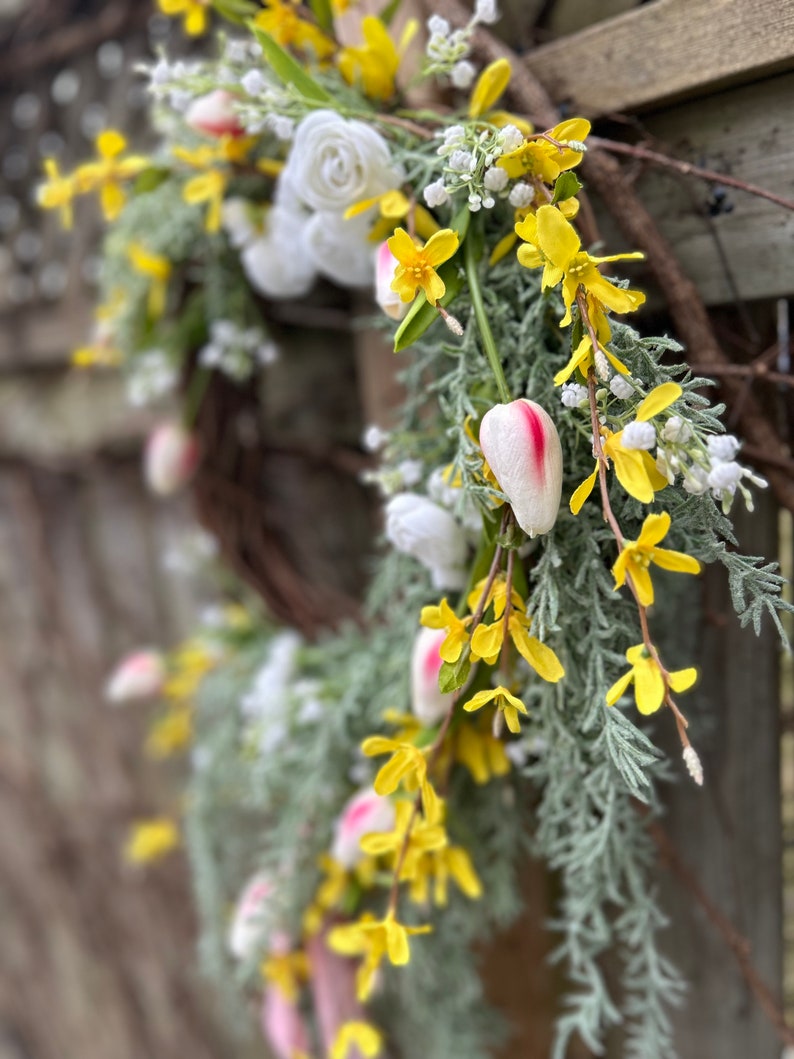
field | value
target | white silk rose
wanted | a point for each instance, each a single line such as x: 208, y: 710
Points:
x: 418, y: 527
x: 340, y: 249
x: 335, y: 162
x: 277, y: 263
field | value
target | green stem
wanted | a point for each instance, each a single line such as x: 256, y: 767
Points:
x: 489, y: 345
x: 196, y: 389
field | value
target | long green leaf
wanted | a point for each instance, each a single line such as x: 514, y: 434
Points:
x: 421, y: 314
x: 389, y: 11
x: 323, y: 13
x: 287, y: 69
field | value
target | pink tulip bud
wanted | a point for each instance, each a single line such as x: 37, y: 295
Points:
x: 214, y: 115
x: 170, y: 458
x: 427, y: 701
x: 364, y: 813
x: 282, y: 1025
x: 248, y: 921
x: 387, y: 299
x: 521, y: 444
x: 138, y: 676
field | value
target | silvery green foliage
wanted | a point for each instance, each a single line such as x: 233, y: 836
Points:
x: 581, y: 767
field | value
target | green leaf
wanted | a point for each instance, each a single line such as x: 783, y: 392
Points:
x: 323, y: 13
x: 389, y: 11
x: 567, y: 185
x: 421, y: 315
x: 149, y: 179
x: 453, y: 675
x: 235, y: 10
x: 287, y: 69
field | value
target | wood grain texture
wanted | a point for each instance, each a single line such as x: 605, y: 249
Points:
x: 666, y: 50
x: 745, y: 132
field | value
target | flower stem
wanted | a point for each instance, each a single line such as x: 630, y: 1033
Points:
x: 489, y: 345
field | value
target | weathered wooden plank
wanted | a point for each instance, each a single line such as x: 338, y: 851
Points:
x: 55, y: 418
x: 729, y: 832
x: 572, y: 16
x: 748, y: 250
x: 666, y: 50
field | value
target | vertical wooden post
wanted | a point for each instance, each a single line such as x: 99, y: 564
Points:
x: 730, y: 832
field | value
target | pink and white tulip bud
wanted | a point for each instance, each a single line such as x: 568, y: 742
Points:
x: 214, y: 115
x: 364, y: 813
x: 170, y: 458
x: 248, y: 925
x: 428, y: 703
x: 138, y: 676
x: 282, y: 1025
x: 391, y: 302
x: 522, y: 446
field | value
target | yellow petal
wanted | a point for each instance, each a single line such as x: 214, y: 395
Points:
x: 490, y: 85
x: 619, y: 687
x: 479, y: 700
x: 582, y: 492
x: 658, y: 399
x: 462, y: 871
x: 683, y: 679
x: 654, y: 529
x: 580, y: 358
x: 631, y: 471
x: 110, y: 143
x: 397, y: 943
x: 434, y: 287
x: 648, y: 686
x: 487, y: 640
x: 402, y: 246
x: 556, y: 237
x: 390, y: 775
x: 362, y: 207
x: 440, y: 247
x: 542, y: 659
x: 503, y: 248
x: 619, y: 570
x: 680, y: 562
x: 643, y: 585
x: 378, y: 744
x: 426, y: 224
x: 511, y: 718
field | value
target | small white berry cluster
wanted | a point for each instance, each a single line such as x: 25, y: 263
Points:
x: 152, y: 375
x: 236, y: 352
x: 470, y: 156
x: 448, y: 48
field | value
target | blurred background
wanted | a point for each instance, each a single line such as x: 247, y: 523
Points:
x: 97, y: 958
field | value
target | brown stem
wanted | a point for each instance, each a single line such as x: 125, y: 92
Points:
x: 605, y: 175
x: 687, y: 169
x: 405, y: 123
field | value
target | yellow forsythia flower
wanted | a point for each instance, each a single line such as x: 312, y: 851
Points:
x: 645, y: 674
x: 636, y: 556
x: 149, y: 840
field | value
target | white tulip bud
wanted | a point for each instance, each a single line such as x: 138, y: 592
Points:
x: 214, y: 115
x: 428, y: 703
x: 138, y: 676
x: 170, y: 458
x: 248, y: 926
x: 521, y: 444
x: 365, y: 813
x: 391, y: 302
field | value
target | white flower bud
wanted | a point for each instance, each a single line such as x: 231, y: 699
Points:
x: 463, y: 73
x: 521, y: 444
x: 428, y: 703
x: 438, y: 26
x: 170, y: 457
x: 366, y: 812
x: 254, y: 82
x: 620, y: 386
x: 639, y: 435
x: 510, y: 138
x: 486, y: 11
x: 521, y: 195
x: 214, y: 115
x: 436, y: 194
x: 495, y: 179
x: 475, y: 203
x: 573, y: 394
x: 676, y: 430
x: 461, y: 161
x: 725, y: 476
x: 422, y: 529
x: 138, y: 676
x: 722, y: 447
x: 693, y: 765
